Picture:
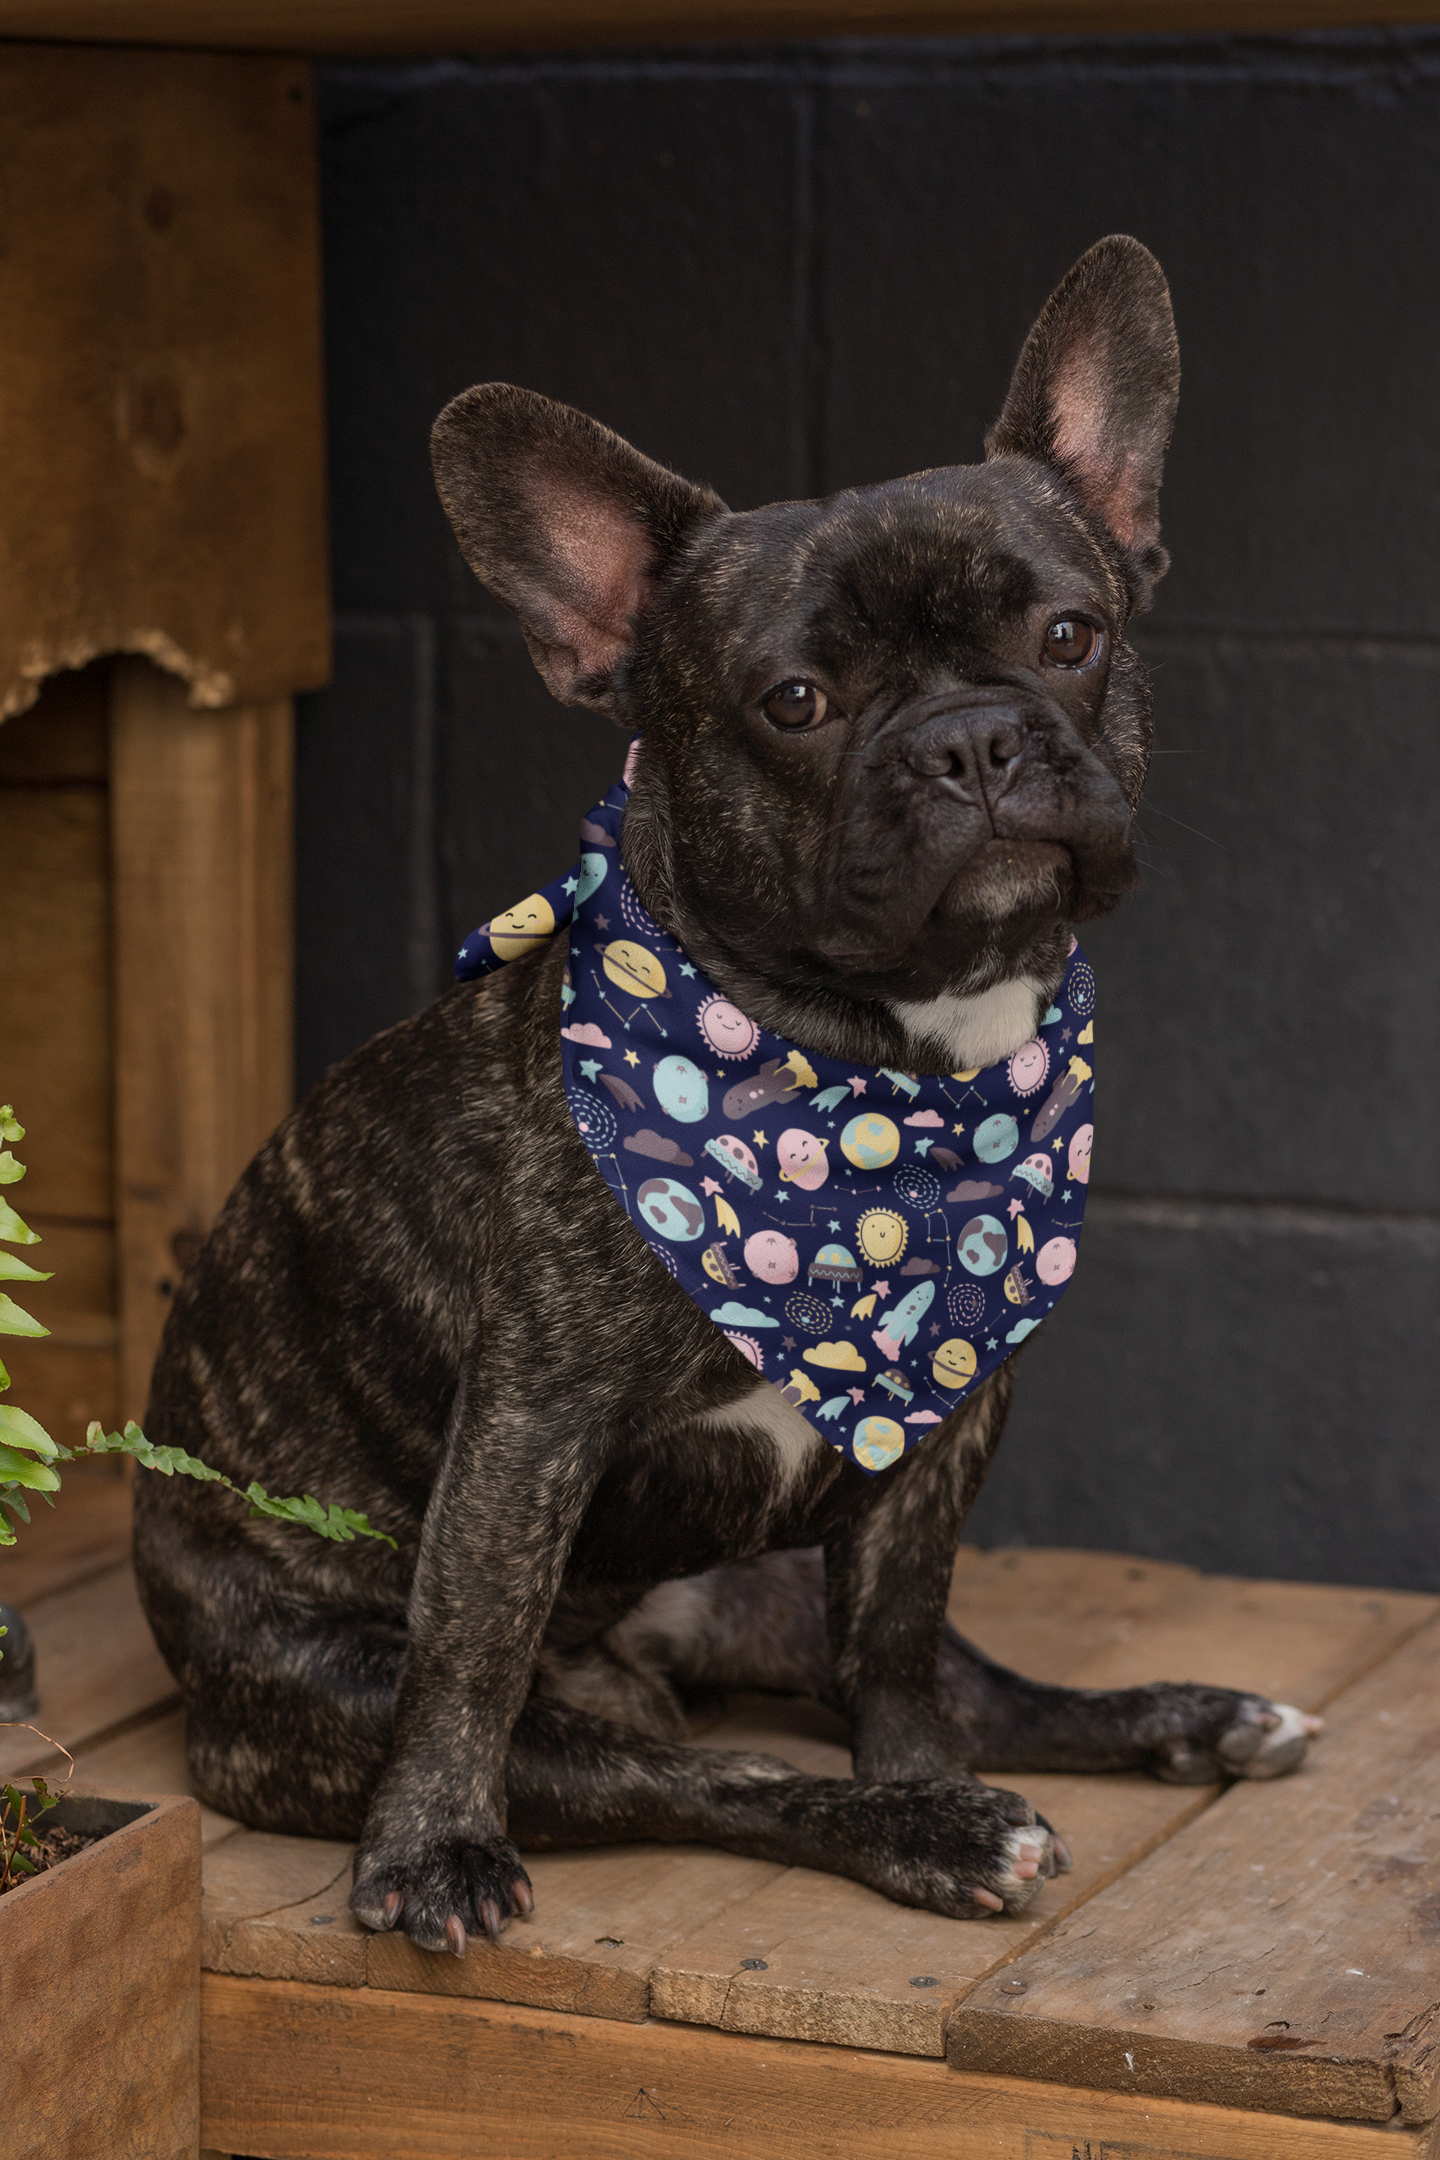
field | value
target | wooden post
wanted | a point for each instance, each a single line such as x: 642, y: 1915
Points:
x: 162, y: 442
x: 201, y: 841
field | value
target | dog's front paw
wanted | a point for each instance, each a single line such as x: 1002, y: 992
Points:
x: 439, y: 1891
x: 1237, y: 1736
x: 961, y: 1848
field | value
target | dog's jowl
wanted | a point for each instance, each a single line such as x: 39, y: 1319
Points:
x: 890, y: 749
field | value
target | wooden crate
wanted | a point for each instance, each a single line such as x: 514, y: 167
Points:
x: 678, y: 2000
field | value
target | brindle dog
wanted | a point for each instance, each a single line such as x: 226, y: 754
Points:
x: 893, y: 746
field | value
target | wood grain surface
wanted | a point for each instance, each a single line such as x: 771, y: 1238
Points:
x: 99, y: 1997
x: 361, y: 2074
x: 97, y: 1668
x: 1281, y: 1952
x: 161, y: 429
x: 201, y: 809
x: 470, y: 25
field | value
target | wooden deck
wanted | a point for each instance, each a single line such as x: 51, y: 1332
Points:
x: 1227, y: 1973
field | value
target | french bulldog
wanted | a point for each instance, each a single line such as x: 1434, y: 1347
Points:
x: 892, y: 748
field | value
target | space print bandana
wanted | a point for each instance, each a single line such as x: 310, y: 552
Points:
x: 875, y: 1242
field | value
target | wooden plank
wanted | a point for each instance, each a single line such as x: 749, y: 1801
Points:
x: 470, y: 25
x: 1280, y: 1953
x: 323, y: 2073
x: 833, y: 1961
x: 150, y: 1758
x: 55, y: 898
x: 85, y: 1533
x: 602, y: 1920
x: 1088, y: 1619
x: 161, y: 428
x: 97, y: 1667
x: 275, y: 1908
x: 71, y: 1375
x: 202, y: 820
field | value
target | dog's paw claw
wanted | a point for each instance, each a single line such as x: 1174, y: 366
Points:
x: 1270, y: 1745
x: 988, y: 1899
x: 441, y: 1893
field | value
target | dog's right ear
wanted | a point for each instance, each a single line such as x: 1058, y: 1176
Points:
x: 567, y: 525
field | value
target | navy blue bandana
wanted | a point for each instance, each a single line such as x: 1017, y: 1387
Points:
x: 876, y: 1243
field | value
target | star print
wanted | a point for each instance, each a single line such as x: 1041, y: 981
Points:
x: 602, y: 922
x: 787, y: 1342
x: 759, y: 1139
x: 591, y: 1068
x: 1015, y: 1208
x: 838, y: 1302
x: 934, y: 1327
x: 686, y: 968
x: 835, y: 1225
x: 856, y: 1394
x: 881, y: 1289
x: 1064, y: 1034
x: 781, y: 1195
x: 632, y: 1057
x: 857, y: 1085
x: 708, y: 1186
x: 574, y: 952
x: 1066, y: 1194
x: 923, y: 1147
x: 572, y: 884
x: 1057, y: 1145
x: 991, y: 1344
x: 957, y: 1129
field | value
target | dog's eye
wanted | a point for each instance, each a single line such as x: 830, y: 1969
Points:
x: 1071, y: 642
x: 796, y: 705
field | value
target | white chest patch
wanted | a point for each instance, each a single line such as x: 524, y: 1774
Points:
x: 792, y: 1437
x: 977, y: 1031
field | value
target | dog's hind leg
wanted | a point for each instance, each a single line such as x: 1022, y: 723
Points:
x: 291, y: 1730
x: 760, y: 1625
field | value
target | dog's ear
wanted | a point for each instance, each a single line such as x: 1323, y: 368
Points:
x: 1094, y: 393
x: 567, y: 525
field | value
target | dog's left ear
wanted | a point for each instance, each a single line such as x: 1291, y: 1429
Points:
x: 1094, y: 395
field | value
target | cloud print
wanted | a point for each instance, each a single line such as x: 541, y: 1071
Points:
x: 923, y: 1417
x: 925, y: 1117
x: 974, y: 1189
x: 919, y: 1267
x: 737, y: 1315
x: 1021, y: 1329
x: 656, y: 1145
x: 586, y: 1031
x: 837, y: 1356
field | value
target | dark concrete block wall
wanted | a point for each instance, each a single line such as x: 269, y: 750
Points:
x: 785, y: 271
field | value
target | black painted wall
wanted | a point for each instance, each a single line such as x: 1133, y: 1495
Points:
x: 786, y: 271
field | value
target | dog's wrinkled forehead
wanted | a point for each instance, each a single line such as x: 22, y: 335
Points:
x: 918, y: 574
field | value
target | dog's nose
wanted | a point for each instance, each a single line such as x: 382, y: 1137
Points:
x: 978, y: 748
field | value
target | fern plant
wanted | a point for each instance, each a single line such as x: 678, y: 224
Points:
x: 28, y: 1455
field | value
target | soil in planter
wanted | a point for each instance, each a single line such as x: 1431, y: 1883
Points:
x: 54, y: 1846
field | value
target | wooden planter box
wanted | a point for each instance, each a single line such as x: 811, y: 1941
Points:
x: 100, y: 1989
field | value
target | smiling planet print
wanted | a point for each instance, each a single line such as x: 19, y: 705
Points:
x: 954, y: 1363
x: 632, y: 969
x: 521, y: 928
x: 726, y: 1029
